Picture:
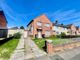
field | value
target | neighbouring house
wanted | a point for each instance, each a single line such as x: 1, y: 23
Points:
x: 40, y: 27
x: 71, y: 29
x: 59, y: 28
x: 78, y: 30
x: 3, y: 25
x: 13, y: 30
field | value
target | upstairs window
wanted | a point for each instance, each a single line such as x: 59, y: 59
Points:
x: 47, y: 25
x: 39, y: 23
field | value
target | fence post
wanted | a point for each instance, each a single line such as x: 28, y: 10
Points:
x: 49, y: 46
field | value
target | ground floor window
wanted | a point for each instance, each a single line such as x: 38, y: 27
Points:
x: 3, y: 33
x: 47, y: 33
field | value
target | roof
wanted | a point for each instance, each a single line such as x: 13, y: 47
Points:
x: 13, y: 28
x: 35, y: 18
x: 59, y: 25
x: 30, y: 22
x: 62, y: 25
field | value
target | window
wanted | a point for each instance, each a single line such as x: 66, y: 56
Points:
x: 31, y: 28
x: 39, y: 23
x: 57, y: 32
x: 47, y: 25
x: 47, y: 33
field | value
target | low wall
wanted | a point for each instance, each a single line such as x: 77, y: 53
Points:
x: 61, y: 48
x: 66, y: 46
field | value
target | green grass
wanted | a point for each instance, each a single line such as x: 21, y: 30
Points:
x: 55, y: 41
x: 40, y: 42
x: 7, y: 49
x: 61, y: 41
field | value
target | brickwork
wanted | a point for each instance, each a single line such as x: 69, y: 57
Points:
x: 44, y: 20
x: 3, y: 22
x: 49, y: 47
x: 61, y: 48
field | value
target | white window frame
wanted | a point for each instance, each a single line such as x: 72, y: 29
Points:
x: 47, y: 24
x: 39, y: 23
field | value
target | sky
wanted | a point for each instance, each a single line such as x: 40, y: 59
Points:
x: 21, y: 12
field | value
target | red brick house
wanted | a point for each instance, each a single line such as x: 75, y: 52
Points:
x: 78, y: 30
x: 3, y: 25
x: 40, y: 27
x: 72, y: 29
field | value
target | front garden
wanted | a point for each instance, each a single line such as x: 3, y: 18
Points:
x: 55, y: 40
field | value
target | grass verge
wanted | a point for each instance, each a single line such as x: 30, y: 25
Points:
x: 7, y: 48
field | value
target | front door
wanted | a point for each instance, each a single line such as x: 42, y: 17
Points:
x: 39, y: 33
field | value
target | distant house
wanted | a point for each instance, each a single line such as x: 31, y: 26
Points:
x: 40, y: 27
x: 3, y: 25
x: 13, y: 30
x: 77, y: 30
x: 59, y: 28
x: 71, y: 29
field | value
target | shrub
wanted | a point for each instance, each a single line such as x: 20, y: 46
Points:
x: 63, y: 34
x: 17, y: 35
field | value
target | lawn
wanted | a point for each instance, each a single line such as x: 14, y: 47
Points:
x: 59, y: 41
x: 40, y: 42
x: 7, y: 48
x: 55, y: 41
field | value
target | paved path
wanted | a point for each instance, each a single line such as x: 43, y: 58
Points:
x: 33, y: 52
x: 28, y: 50
x: 18, y: 54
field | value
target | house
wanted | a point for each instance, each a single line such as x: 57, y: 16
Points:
x: 59, y: 28
x: 13, y: 30
x: 78, y: 30
x: 40, y: 27
x: 71, y: 29
x: 3, y: 25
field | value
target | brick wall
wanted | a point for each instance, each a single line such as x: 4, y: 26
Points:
x: 61, y: 48
x: 3, y: 22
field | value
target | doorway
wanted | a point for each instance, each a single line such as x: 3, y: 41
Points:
x: 39, y: 31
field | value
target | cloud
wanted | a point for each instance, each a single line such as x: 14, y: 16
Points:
x: 8, y: 11
x: 68, y: 16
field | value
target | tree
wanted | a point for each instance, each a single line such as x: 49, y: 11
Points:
x: 21, y: 27
x: 56, y: 22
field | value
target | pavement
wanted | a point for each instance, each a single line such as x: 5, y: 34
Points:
x: 73, y: 54
x: 18, y: 54
x: 28, y: 50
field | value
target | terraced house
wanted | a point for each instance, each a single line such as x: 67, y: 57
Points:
x: 59, y: 28
x: 3, y: 25
x: 72, y: 30
x: 40, y: 27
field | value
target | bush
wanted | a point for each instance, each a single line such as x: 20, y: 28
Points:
x: 17, y: 35
x: 63, y: 34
